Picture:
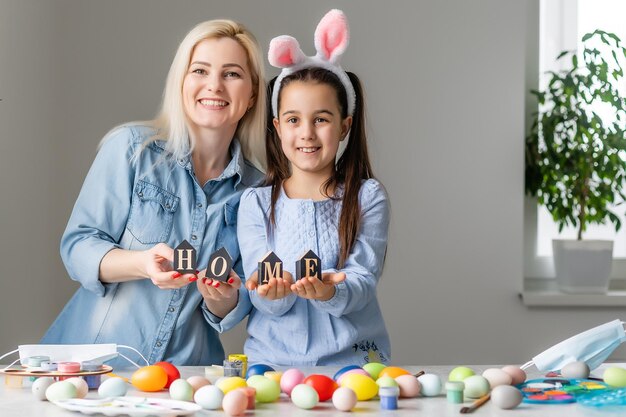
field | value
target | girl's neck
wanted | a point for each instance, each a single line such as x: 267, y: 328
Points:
x: 210, y: 155
x: 307, y: 187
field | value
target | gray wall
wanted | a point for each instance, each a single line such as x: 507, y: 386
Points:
x: 446, y: 83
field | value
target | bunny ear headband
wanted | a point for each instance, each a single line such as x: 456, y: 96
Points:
x: 331, y: 41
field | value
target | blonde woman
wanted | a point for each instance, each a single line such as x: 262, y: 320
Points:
x: 154, y: 184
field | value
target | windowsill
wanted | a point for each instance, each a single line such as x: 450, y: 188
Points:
x: 544, y: 293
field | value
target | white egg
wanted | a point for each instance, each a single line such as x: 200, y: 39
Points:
x: 431, y: 385
x: 113, y: 387
x: 40, y: 385
x: 506, y: 397
x: 497, y: 377
x: 209, y: 397
x: 577, y: 370
x: 81, y: 386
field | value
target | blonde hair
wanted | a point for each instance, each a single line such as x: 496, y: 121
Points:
x: 171, y: 122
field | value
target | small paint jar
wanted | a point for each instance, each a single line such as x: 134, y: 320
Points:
x: 250, y: 396
x: 13, y: 381
x: 68, y: 368
x: 244, y: 361
x: 35, y: 361
x: 389, y: 397
x: 93, y: 381
x: 233, y: 368
x: 454, y: 392
x: 49, y: 366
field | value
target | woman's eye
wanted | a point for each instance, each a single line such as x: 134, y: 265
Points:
x: 232, y: 74
x: 199, y: 71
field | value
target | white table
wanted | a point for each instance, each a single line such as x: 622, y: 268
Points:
x: 21, y: 402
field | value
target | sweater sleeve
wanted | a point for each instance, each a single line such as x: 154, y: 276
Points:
x: 252, y: 229
x: 365, y: 262
x: 100, y: 212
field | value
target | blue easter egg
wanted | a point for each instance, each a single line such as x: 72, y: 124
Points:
x: 258, y: 369
x: 344, y: 369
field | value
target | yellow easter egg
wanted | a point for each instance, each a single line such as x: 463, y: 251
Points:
x: 363, y: 386
x: 230, y: 383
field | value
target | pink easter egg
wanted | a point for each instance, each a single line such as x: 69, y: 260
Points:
x: 410, y: 387
x: 517, y: 374
x: 359, y: 371
x: 235, y: 403
x: 290, y: 378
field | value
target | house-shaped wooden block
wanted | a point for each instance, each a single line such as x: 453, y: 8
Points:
x: 220, y: 264
x: 270, y: 267
x: 309, y: 265
x: 185, y: 258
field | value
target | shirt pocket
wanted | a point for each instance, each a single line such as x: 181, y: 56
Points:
x: 228, y: 231
x: 151, y: 213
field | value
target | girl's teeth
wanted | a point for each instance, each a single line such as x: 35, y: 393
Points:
x: 308, y: 150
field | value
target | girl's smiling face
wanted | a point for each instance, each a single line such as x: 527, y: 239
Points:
x: 310, y: 127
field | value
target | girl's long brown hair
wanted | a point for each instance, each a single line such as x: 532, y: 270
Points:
x: 352, y: 167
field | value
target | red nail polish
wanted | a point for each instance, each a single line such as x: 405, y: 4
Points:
x: 177, y: 275
x: 197, y: 272
x: 217, y: 285
x: 192, y: 279
x: 204, y: 280
x: 210, y: 281
x: 231, y: 280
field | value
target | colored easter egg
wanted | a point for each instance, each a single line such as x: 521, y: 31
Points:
x: 274, y: 375
x: 258, y: 369
x: 112, y: 387
x: 386, y: 381
x: 209, y: 397
x: 615, y: 376
x: 363, y: 386
x: 198, y: 382
x: 460, y: 373
x: 81, y: 386
x: 40, y: 385
x: 576, y: 370
x: 149, y: 378
x: 359, y: 371
x: 374, y: 368
x: 267, y: 390
x: 343, y: 370
x: 61, y: 390
x: 181, y: 390
x: 290, y: 378
x: 506, y: 397
x: 344, y: 399
x: 230, y: 383
x: 409, y: 386
x: 431, y: 385
x: 172, y: 372
x: 475, y: 386
x: 324, y: 386
x: 235, y: 402
x: 497, y: 377
x: 393, y: 371
x: 518, y: 374
x: 304, y: 396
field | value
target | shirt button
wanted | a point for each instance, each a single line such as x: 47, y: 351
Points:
x: 311, y: 233
x: 167, y: 205
x: 309, y: 209
x: 194, y: 237
x: 140, y: 194
x: 199, y: 205
x: 171, y: 309
x: 159, y: 344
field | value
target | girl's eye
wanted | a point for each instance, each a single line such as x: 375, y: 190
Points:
x: 292, y: 120
x: 320, y: 120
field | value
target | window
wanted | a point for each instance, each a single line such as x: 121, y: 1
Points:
x: 562, y: 24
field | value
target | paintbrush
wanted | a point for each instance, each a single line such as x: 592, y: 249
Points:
x: 420, y: 373
x: 476, y: 404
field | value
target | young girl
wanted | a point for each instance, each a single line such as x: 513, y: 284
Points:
x: 312, y: 202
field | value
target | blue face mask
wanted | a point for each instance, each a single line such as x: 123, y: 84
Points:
x: 593, y: 347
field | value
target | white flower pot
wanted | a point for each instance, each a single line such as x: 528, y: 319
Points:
x: 583, y: 266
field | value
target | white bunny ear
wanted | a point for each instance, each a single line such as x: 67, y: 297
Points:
x: 332, y: 36
x: 285, y: 52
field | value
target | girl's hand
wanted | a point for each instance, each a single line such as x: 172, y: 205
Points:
x: 275, y: 289
x: 220, y: 297
x: 157, y: 263
x: 314, y: 289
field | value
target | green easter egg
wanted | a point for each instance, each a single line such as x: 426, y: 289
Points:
x: 615, y: 377
x: 386, y: 381
x: 374, y: 368
x: 460, y: 373
x: 267, y: 390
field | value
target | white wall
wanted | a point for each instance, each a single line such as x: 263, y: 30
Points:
x: 447, y: 96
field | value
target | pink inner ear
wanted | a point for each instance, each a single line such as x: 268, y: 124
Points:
x: 332, y: 42
x: 285, y: 58
x: 332, y: 34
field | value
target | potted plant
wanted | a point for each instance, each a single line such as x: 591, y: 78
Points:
x: 576, y: 159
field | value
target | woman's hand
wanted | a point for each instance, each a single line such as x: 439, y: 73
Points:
x: 220, y: 297
x: 275, y: 289
x: 158, y: 267
x: 314, y: 289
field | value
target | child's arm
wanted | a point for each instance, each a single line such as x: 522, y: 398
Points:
x: 365, y: 262
x: 252, y: 236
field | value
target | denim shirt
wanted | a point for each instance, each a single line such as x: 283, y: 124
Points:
x: 293, y: 331
x: 135, y: 205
